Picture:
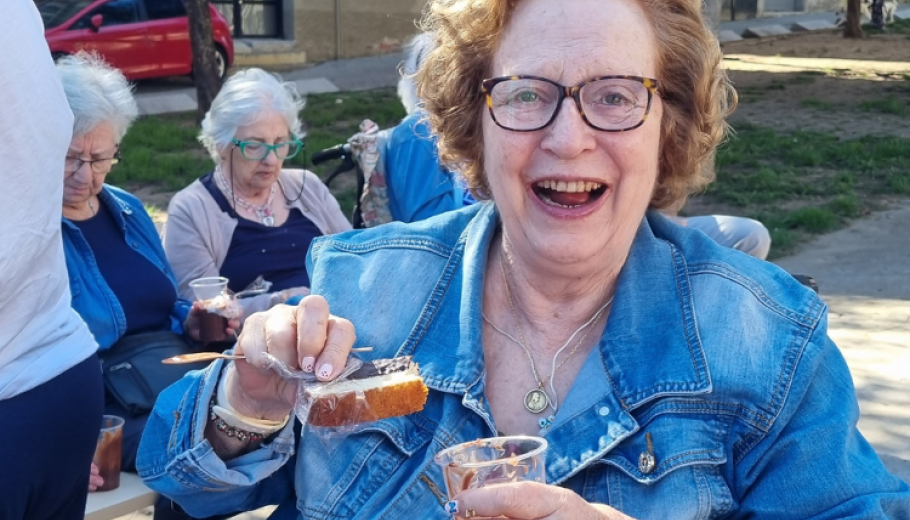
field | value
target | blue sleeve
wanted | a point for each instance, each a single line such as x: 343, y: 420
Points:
x: 812, y: 455
x: 175, y: 460
x: 419, y: 187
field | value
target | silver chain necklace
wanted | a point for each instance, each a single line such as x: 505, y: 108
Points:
x: 263, y: 212
x: 537, y: 400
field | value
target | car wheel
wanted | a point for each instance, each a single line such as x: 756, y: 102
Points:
x: 220, y: 62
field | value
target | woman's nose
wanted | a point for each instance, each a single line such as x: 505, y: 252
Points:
x: 568, y: 134
x: 271, y: 157
x: 84, y: 173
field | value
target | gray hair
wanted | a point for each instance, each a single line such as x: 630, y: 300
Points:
x: 242, y: 101
x: 416, y: 51
x: 97, y: 93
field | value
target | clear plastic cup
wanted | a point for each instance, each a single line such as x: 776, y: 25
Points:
x: 492, y: 461
x: 212, y: 293
x: 108, y: 451
x: 208, y: 288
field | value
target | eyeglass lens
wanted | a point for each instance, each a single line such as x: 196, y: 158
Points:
x: 608, y: 104
x: 257, y: 151
x: 73, y: 164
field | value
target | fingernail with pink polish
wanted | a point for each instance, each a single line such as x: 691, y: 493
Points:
x: 307, y: 364
x: 451, y: 507
x: 325, y: 370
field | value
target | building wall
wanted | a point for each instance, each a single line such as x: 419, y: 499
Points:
x: 367, y: 27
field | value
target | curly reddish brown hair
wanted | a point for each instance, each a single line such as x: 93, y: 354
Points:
x: 696, y: 93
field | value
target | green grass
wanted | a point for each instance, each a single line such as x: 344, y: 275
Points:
x: 888, y: 105
x: 897, y: 27
x: 805, y: 183
x: 163, y: 151
x: 818, y: 104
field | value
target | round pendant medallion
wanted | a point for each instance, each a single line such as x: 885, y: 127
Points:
x: 536, y: 400
x: 269, y: 221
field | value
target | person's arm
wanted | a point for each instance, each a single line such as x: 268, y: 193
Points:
x: 813, y: 462
x: 176, y: 456
x: 418, y: 187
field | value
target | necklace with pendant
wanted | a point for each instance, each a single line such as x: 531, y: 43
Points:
x: 537, y: 400
x: 263, y: 212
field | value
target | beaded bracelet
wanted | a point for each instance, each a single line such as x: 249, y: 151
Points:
x: 230, y: 431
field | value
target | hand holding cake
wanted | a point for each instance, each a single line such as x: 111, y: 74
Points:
x: 308, y: 338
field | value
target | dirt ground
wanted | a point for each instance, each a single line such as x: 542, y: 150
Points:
x: 817, y: 81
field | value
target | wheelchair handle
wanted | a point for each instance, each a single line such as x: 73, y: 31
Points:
x: 330, y: 154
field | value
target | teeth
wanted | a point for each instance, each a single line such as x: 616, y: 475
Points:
x: 569, y: 187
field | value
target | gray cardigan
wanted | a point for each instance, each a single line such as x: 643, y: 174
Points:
x: 198, y: 233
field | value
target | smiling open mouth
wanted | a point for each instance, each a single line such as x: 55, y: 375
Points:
x: 568, y: 194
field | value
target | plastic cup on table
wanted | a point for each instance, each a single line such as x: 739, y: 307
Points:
x: 108, y: 451
x: 494, y: 460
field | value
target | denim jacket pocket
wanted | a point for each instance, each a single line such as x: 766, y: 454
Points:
x: 671, y: 468
x: 363, y: 476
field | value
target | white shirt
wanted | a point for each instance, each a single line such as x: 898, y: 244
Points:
x: 40, y: 334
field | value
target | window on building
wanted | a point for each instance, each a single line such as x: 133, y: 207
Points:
x: 252, y: 18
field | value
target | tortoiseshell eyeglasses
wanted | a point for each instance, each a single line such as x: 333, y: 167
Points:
x: 608, y: 103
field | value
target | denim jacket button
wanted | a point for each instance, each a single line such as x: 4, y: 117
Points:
x: 646, y: 462
x: 604, y: 411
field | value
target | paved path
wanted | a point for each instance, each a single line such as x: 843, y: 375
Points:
x: 863, y: 273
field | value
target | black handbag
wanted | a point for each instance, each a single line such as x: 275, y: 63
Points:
x: 133, y: 372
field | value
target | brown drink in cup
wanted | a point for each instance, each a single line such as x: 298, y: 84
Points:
x: 109, y: 451
x: 211, y: 292
x: 212, y: 327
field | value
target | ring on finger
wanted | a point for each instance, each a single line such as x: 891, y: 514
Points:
x: 470, y: 513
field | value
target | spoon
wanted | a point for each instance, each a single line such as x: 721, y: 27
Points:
x: 197, y: 357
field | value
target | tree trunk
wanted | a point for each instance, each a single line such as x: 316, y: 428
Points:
x: 205, y: 73
x: 853, y: 29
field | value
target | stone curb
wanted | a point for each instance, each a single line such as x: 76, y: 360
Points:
x: 764, y: 31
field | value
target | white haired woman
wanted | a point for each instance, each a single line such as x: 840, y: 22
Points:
x: 121, y: 283
x: 250, y: 218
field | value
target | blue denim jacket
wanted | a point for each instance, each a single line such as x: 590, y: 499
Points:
x: 419, y: 187
x: 723, y: 359
x: 92, y: 298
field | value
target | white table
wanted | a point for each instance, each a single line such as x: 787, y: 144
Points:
x: 131, y: 496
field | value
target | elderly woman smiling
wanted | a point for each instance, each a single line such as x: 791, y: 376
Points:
x: 250, y: 217
x: 673, y: 378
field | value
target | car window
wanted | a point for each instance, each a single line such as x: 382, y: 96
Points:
x: 115, y: 12
x: 55, y: 12
x: 163, y: 9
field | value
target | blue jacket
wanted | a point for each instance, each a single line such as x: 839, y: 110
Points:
x: 419, y: 187
x: 722, y: 358
x: 92, y: 298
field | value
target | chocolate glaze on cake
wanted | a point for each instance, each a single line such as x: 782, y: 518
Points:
x: 382, y: 367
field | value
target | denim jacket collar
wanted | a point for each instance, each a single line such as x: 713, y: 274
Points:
x: 119, y: 208
x: 619, y: 381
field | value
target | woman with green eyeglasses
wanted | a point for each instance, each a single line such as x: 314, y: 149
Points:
x: 251, y: 220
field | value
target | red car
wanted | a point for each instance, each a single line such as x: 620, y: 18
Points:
x: 143, y: 38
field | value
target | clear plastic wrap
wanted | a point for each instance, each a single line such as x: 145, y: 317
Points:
x: 362, y: 393
x: 307, y: 386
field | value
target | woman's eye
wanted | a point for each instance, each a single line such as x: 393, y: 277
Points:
x: 253, y: 147
x: 613, y: 99
x: 525, y: 96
